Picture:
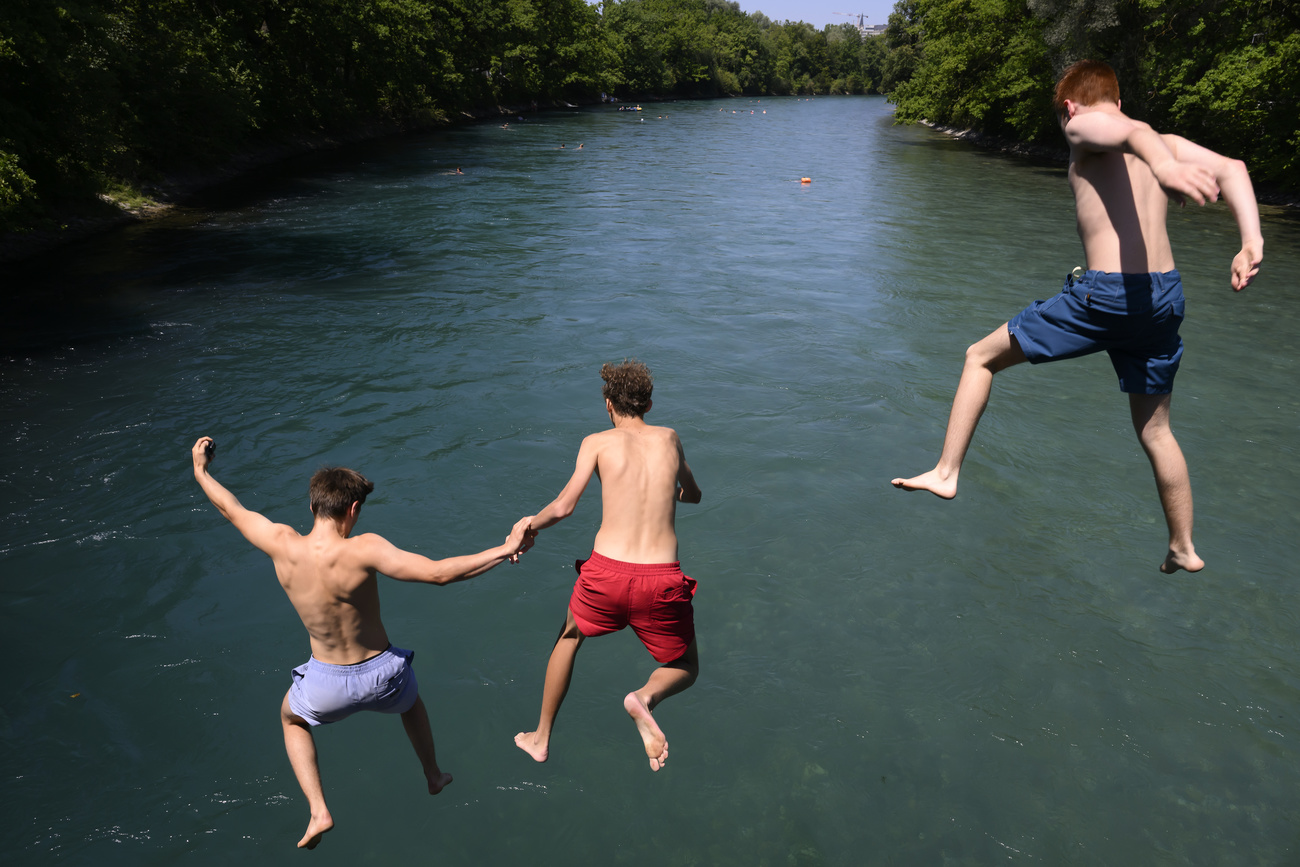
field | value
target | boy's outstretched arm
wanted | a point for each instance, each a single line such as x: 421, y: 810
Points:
x: 1234, y: 180
x: 687, y: 490
x: 255, y: 527
x: 563, y: 505
x: 387, y: 558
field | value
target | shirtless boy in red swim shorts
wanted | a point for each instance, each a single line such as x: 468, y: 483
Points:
x: 1129, y: 302
x: 632, y: 577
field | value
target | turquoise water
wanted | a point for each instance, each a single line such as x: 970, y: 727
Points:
x: 886, y: 678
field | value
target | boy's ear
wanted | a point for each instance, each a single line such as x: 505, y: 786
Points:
x: 354, y: 510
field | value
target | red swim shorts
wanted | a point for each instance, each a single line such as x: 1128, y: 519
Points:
x: 653, y: 598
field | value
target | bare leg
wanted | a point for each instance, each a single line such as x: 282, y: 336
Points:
x: 559, y: 671
x: 301, y: 748
x: 994, y: 353
x: 1151, y: 421
x: 416, y: 723
x: 668, y: 679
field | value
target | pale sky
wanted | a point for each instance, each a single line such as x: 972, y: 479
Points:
x: 819, y: 13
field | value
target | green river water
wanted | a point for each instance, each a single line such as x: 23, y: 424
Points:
x: 886, y: 678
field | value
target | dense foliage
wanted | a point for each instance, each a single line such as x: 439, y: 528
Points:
x: 1225, y: 73
x: 97, y: 92
x: 99, y: 95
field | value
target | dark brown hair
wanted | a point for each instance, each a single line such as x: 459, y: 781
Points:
x: 334, y: 490
x: 1087, y: 82
x: 627, y: 386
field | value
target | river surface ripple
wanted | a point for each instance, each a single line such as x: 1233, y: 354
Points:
x: 886, y: 678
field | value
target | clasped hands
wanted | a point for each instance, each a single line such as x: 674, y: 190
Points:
x: 522, y: 537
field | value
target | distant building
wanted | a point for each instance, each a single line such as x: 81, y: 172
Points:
x: 862, y: 26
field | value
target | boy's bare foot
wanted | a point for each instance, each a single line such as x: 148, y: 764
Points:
x: 316, y: 828
x: 933, y: 481
x: 656, y: 745
x: 527, y: 741
x: 1176, y: 560
x: 436, y: 786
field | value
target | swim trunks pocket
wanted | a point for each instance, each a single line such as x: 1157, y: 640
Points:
x: 677, y: 593
x: 397, y: 693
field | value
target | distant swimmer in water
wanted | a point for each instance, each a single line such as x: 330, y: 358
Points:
x: 580, y: 146
x: 1129, y: 301
x: 329, y: 577
x: 633, y: 577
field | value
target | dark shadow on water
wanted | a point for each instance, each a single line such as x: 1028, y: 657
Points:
x: 99, y: 289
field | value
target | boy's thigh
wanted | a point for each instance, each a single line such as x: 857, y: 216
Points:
x: 1147, y: 372
x: 1062, y: 327
x: 666, y: 623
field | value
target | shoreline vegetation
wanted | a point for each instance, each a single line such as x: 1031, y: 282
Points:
x: 115, y: 110
x: 76, y: 220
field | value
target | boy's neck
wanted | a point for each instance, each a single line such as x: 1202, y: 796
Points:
x: 341, y: 527
x: 626, y: 421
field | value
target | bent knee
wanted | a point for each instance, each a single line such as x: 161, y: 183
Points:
x: 983, y: 355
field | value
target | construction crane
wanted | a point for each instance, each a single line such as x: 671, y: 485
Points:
x: 861, y: 16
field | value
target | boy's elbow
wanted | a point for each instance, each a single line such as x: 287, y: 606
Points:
x: 1231, y: 169
x: 443, y: 573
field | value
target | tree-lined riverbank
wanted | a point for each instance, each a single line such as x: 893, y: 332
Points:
x: 109, y: 107
x: 102, y: 99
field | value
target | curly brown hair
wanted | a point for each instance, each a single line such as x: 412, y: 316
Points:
x: 334, y: 489
x: 627, y: 387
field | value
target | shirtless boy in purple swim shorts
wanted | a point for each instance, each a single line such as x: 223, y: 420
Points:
x: 1129, y: 302
x: 329, y: 576
x: 633, y: 577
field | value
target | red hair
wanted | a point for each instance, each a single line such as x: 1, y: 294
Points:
x: 1087, y: 82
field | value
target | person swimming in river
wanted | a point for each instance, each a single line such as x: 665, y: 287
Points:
x: 632, y: 577
x: 329, y: 577
x: 1129, y: 301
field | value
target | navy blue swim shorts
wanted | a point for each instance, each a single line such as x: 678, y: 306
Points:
x: 1134, y: 317
x: 325, y: 693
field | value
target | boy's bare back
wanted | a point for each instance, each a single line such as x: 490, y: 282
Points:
x: 331, y: 584
x: 329, y: 575
x: 638, y: 466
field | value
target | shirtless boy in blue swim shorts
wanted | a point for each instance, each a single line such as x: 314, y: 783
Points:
x: 1129, y: 302
x: 329, y: 576
x: 632, y: 577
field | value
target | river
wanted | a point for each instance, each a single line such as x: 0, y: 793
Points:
x: 886, y: 678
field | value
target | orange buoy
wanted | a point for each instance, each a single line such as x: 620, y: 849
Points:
x: 805, y: 180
